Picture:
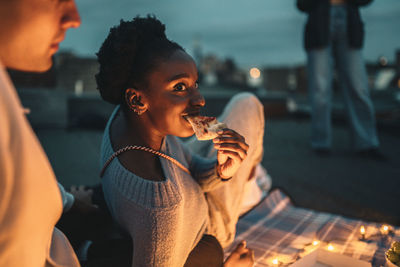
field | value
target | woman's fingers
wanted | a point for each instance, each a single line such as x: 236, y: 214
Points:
x: 232, y: 137
x: 230, y: 132
x: 233, y: 155
x: 251, y: 254
x: 241, y: 247
x: 240, y: 256
x: 233, y: 148
x: 232, y: 140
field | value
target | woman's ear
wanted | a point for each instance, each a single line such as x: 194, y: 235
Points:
x: 135, y: 101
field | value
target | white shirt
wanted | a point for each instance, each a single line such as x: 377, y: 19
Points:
x: 30, y: 200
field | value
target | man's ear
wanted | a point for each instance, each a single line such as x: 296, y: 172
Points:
x: 135, y: 100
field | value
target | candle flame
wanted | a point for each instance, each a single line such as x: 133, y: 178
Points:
x: 275, y: 261
x: 315, y: 242
x: 330, y: 248
x: 362, y: 229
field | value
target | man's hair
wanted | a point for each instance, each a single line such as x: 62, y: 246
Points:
x: 130, y: 51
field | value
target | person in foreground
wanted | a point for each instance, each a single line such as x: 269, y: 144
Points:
x: 175, y: 218
x: 30, y: 200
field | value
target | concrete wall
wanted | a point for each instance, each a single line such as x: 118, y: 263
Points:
x: 48, y: 108
x: 88, y: 112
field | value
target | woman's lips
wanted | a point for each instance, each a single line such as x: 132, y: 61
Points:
x: 186, y: 117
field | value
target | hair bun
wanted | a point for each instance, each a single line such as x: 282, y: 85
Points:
x: 139, y: 32
x: 128, y: 53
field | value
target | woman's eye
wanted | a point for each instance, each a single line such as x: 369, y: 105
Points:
x: 196, y: 85
x: 180, y: 87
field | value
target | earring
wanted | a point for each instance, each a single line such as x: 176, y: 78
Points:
x: 137, y: 111
x: 134, y: 103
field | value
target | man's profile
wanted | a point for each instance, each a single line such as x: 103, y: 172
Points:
x: 30, y: 201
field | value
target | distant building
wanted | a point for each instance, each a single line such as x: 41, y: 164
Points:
x: 76, y: 74
x: 69, y: 73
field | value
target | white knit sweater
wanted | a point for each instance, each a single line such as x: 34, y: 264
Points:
x: 165, y: 219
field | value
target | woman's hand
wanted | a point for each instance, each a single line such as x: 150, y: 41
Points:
x: 83, y: 200
x: 232, y: 150
x: 240, y: 257
x: 83, y: 194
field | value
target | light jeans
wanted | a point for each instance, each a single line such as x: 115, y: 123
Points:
x: 245, y: 114
x: 353, y: 80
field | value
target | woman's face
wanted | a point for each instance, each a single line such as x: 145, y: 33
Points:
x: 172, y: 93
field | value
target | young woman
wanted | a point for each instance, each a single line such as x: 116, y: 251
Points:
x: 178, y: 210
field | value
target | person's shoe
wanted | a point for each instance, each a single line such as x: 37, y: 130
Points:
x: 372, y: 153
x: 322, y: 152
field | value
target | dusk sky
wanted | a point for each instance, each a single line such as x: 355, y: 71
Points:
x: 253, y: 32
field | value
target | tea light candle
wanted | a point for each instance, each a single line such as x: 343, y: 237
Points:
x: 385, y: 229
x: 362, y: 231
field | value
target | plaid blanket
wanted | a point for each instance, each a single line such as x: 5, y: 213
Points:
x: 276, y: 229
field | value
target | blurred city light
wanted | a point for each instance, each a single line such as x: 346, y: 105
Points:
x: 255, y: 78
x: 383, y: 61
x: 255, y: 73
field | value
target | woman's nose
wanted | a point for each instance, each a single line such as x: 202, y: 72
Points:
x: 197, y: 99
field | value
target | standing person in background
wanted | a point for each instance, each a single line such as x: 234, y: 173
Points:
x: 334, y: 32
x: 30, y: 200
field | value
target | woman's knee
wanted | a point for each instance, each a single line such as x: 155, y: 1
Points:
x: 249, y: 105
x: 246, y: 98
x: 245, y: 114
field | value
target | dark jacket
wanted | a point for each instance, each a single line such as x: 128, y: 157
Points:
x: 316, y: 33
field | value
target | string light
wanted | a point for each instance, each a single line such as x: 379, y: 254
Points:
x: 383, y: 229
x: 362, y: 231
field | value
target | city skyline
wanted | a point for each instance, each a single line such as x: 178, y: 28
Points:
x: 253, y: 33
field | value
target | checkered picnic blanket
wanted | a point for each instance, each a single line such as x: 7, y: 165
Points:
x: 276, y: 229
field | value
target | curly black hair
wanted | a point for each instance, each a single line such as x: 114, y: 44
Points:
x: 130, y: 51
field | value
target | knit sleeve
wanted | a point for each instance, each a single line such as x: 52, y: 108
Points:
x: 67, y: 198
